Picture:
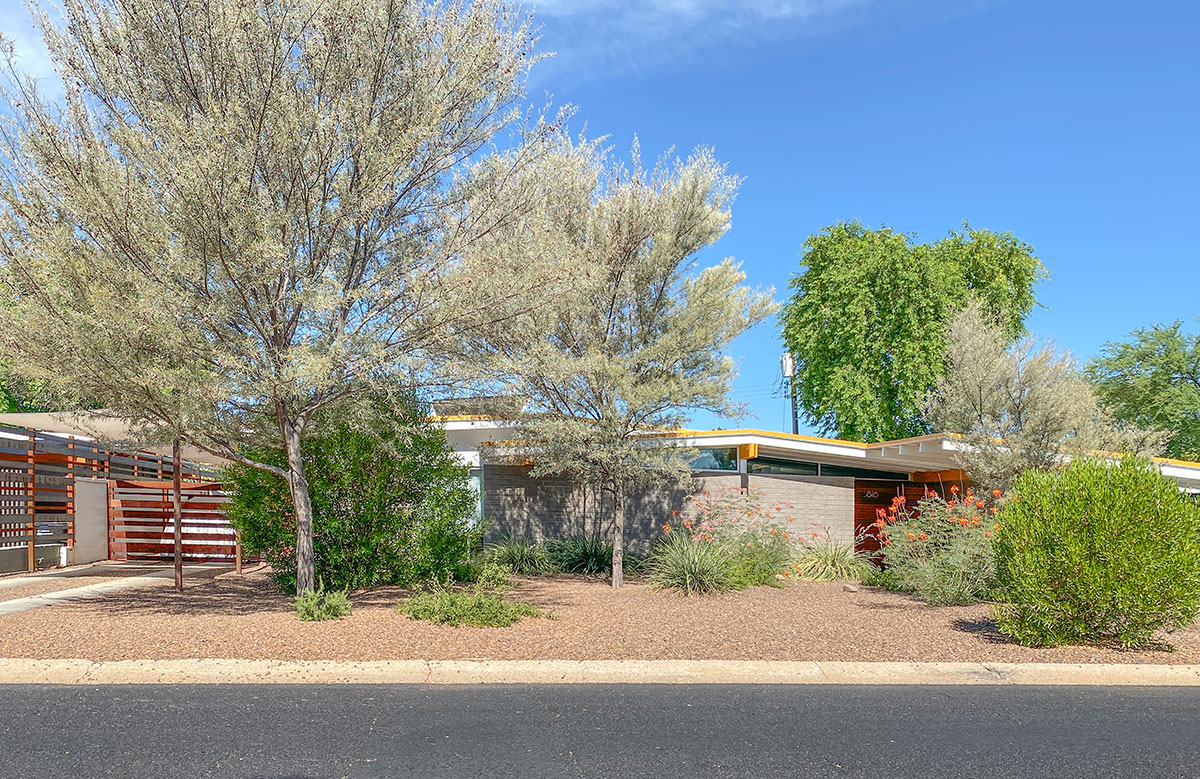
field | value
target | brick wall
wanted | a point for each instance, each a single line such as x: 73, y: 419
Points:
x: 534, y: 509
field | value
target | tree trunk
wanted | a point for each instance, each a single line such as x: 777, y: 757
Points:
x: 302, y: 505
x: 177, y: 475
x: 618, y: 558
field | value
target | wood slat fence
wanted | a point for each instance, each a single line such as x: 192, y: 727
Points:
x: 38, y: 471
x: 141, y: 519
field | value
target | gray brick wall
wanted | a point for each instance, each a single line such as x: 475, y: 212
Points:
x: 517, y: 505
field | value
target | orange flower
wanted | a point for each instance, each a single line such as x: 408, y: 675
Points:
x: 996, y: 493
x: 879, y: 523
x: 674, y: 513
x: 912, y: 536
x: 687, y: 523
x: 979, y: 504
x: 787, y: 536
x: 666, y: 527
x: 774, y: 532
x: 952, y: 503
x: 954, y: 488
x: 963, y: 521
x: 922, y: 536
x: 994, y: 509
x: 987, y: 533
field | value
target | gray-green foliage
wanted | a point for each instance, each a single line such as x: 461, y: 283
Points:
x: 1020, y: 407
x: 830, y: 560
x: 640, y: 340
x: 1153, y: 380
x: 1098, y: 553
x: 319, y: 605
x: 521, y: 556
x: 260, y: 207
x: 474, y: 606
x: 693, y: 567
x: 867, y: 319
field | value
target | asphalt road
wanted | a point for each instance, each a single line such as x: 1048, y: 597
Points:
x: 574, y: 731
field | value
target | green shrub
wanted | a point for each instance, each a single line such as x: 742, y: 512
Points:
x: 828, y: 560
x: 1097, y: 554
x: 487, y: 574
x: 589, y: 554
x: 759, y: 560
x: 885, y: 578
x: 693, y: 565
x: 319, y: 605
x: 942, y: 552
x: 475, y: 607
x: 391, y: 503
x: 520, y: 556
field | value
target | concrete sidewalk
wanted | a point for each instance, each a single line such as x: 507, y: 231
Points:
x: 217, y: 671
x: 91, y: 590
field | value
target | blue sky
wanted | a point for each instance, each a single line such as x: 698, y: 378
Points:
x: 1074, y: 125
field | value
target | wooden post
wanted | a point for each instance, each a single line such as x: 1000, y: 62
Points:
x: 237, y: 552
x: 177, y: 477
x: 32, y: 494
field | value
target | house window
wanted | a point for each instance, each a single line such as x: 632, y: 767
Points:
x: 781, y: 467
x: 475, y: 479
x: 723, y: 459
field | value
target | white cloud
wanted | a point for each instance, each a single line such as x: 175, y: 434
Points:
x: 597, y: 37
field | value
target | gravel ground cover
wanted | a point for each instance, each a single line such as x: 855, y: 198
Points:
x: 234, y: 616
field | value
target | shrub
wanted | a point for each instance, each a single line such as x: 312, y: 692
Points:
x: 1098, y: 553
x: 695, y: 566
x: 391, y: 503
x: 885, y: 578
x: 475, y: 607
x: 942, y: 551
x: 520, y: 556
x: 759, y: 561
x: 487, y: 574
x: 729, y: 541
x: 828, y: 560
x: 589, y: 554
x: 319, y: 605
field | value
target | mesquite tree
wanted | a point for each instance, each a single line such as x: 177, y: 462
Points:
x: 286, y: 190
x: 640, y: 339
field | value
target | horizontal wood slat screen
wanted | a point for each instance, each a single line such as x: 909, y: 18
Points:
x: 141, y: 522
x: 38, y: 471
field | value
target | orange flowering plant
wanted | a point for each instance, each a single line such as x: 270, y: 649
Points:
x: 941, y: 549
x: 750, y: 539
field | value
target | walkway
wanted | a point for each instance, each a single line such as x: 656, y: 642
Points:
x: 91, y: 590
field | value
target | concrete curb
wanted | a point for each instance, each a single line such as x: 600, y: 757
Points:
x: 218, y: 671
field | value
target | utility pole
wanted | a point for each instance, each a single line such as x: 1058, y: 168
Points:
x: 787, y: 366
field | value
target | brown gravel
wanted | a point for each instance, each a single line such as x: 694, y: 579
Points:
x: 243, y: 617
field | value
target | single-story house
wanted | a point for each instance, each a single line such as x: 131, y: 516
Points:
x: 832, y: 487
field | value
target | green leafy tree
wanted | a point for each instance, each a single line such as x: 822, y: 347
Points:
x: 1153, y: 380
x: 867, y: 320
x: 391, y: 502
x: 279, y: 195
x: 640, y: 340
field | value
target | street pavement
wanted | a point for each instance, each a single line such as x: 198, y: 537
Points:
x: 594, y: 731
